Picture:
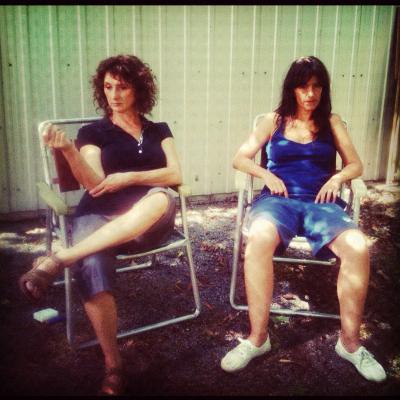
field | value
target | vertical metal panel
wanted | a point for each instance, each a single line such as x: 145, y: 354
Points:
x: 4, y: 157
x: 221, y: 53
x: 216, y: 67
x: 239, y: 86
x: 384, y: 29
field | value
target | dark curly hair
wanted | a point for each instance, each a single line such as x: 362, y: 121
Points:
x: 299, y: 73
x: 131, y: 70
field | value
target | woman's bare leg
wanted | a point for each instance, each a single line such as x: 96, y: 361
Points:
x: 120, y: 230
x: 259, y: 277
x: 102, y: 312
x: 352, y: 249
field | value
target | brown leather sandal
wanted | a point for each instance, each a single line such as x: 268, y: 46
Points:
x: 39, y: 278
x: 114, y: 382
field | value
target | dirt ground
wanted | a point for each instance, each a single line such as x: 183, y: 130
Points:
x: 183, y: 359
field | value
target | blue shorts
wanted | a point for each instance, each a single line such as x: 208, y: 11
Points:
x: 96, y: 273
x: 319, y: 223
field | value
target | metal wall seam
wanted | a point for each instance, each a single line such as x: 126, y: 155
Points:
x: 380, y: 132
x: 81, y: 67
x: 52, y: 66
x: 252, y: 71
x: 274, y: 58
x: 207, y: 130
x: 5, y: 205
x: 25, y: 130
x: 316, y: 35
x: 296, y: 29
x: 228, y: 166
x: 351, y: 85
x: 160, y: 58
x: 133, y: 29
x: 367, y: 113
x: 185, y: 169
x: 335, y: 42
x: 107, y: 28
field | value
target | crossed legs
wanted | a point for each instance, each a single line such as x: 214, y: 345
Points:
x: 120, y: 230
x: 101, y: 308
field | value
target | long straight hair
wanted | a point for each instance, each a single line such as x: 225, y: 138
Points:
x: 300, y: 72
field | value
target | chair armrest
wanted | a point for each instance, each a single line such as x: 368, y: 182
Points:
x: 241, y: 180
x: 358, y: 187
x: 52, y: 199
x: 184, y: 190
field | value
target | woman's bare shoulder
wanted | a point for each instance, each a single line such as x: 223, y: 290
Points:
x: 270, y: 121
x: 335, y: 119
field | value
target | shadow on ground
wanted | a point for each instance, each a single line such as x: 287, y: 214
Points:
x: 184, y: 359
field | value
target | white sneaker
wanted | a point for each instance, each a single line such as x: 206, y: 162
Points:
x: 364, y: 361
x: 242, y: 354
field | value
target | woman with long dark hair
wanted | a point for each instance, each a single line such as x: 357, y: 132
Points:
x: 301, y: 139
x: 125, y: 162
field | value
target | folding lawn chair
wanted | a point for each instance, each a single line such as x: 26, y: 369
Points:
x: 57, y: 192
x: 351, y: 193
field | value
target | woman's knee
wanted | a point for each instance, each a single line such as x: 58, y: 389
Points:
x: 263, y: 236
x: 351, y: 243
x: 161, y: 201
x: 95, y: 273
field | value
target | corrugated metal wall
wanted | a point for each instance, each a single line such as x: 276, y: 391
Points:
x: 217, y: 66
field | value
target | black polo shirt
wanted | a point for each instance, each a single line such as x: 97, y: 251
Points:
x: 120, y: 153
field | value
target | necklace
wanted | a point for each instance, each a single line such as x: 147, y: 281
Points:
x: 140, y: 142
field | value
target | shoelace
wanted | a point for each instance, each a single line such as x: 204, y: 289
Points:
x: 367, y: 358
x: 241, y: 350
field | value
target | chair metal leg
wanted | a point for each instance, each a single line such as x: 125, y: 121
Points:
x: 69, y: 315
x: 193, y: 279
x: 236, y: 249
x: 49, y: 230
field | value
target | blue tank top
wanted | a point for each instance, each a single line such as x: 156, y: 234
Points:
x: 304, y: 168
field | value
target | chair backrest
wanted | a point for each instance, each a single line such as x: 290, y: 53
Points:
x: 65, y: 178
x: 56, y: 168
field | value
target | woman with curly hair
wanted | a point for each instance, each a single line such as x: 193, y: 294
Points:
x: 126, y: 163
x: 300, y: 196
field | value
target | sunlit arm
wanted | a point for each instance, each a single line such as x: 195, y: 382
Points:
x: 243, y: 160
x: 85, y: 165
x: 351, y: 161
x: 353, y: 167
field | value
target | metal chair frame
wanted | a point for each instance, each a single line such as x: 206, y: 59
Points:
x: 57, y: 220
x: 352, y: 193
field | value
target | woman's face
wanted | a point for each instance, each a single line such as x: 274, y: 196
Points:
x: 120, y: 95
x: 308, y: 96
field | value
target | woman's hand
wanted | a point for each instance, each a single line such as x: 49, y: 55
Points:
x: 111, y: 183
x: 275, y: 184
x: 329, y: 191
x: 55, y: 138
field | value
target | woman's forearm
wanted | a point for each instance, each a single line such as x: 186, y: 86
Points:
x: 168, y: 176
x: 350, y: 171
x: 248, y: 166
x: 82, y: 171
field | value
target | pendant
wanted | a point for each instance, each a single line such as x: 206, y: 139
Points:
x: 140, y: 151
